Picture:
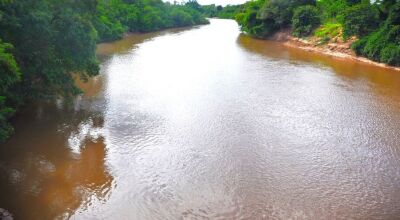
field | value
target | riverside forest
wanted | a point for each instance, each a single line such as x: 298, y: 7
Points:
x: 152, y: 109
x: 44, y: 42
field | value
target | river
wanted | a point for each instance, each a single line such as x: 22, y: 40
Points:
x: 206, y: 123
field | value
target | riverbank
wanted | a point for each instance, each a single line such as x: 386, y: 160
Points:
x: 339, y: 50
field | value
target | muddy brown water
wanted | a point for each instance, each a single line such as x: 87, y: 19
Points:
x: 205, y: 123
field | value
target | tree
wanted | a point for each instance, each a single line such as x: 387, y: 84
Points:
x: 194, y: 5
x: 181, y: 18
x: 360, y: 20
x: 281, y: 11
x: 250, y: 20
x: 54, y: 40
x: 305, y: 20
x: 330, y: 9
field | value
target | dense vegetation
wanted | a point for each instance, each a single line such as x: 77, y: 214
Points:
x: 46, y: 44
x: 227, y: 12
x: 115, y: 17
x: 376, y: 24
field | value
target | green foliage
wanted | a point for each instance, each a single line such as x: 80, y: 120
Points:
x: 9, y: 70
x: 52, y: 41
x: 107, y: 29
x: 9, y: 75
x: 5, y: 113
x: 375, y: 23
x: 374, y: 44
x: 250, y: 21
x: 330, y: 9
x: 262, y: 18
x: 329, y: 31
x: 384, y: 7
x: 358, y: 46
x: 227, y: 12
x: 115, y: 17
x: 193, y: 4
x: 353, y: 2
x: 383, y: 45
x: 181, y: 18
x: 257, y: 26
x: 391, y: 54
x: 281, y: 11
x: 305, y: 20
x: 359, y: 20
x: 107, y: 21
x: 55, y: 42
x: 211, y: 11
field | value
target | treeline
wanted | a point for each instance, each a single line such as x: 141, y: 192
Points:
x: 115, y: 17
x: 376, y: 24
x: 46, y: 44
x: 227, y: 12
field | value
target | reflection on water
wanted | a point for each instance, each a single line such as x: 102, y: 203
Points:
x: 386, y: 80
x: 130, y: 41
x: 54, y: 163
x: 206, y: 123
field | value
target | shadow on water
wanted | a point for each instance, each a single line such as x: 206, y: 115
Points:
x: 53, y: 163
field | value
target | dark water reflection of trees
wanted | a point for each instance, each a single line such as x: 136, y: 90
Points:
x: 54, y: 162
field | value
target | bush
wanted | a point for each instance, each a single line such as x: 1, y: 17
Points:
x: 391, y: 55
x: 329, y: 31
x: 394, y: 34
x: 359, y: 20
x: 9, y: 76
x: 358, y: 46
x: 330, y: 9
x: 261, y: 18
x: 281, y: 11
x: 305, y: 20
x: 107, y: 30
x: 394, y: 14
x: 181, y: 18
x: 383, y: 45
x: 375, y: 43
x: 249, y: 20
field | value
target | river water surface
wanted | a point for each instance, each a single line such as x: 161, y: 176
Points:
x: 205, y: 123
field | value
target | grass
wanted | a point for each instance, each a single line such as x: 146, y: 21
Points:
x: 329, y: 31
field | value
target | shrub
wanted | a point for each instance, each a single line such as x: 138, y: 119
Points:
x: 359, y: 20
x: 329, y: 31
x: 391, y: 55
x: 375, y: 43
x: 330, y: 9
x: 281, y: 11
x: 305, y: 20
x: 181, y: 18
x: 394, y: 34
x: 358, y: 46
x: 383, y: 45
x: 9, y: 76
x: 394, y: 14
